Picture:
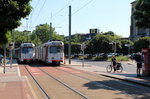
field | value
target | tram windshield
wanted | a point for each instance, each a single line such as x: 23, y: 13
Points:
x: 55, y: 49
x: 27, y: 50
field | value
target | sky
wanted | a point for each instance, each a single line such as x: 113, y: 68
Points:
x: 106, y: 15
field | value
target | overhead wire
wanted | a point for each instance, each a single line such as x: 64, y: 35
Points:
x: 30, y: 19
x: 40, y: 10
x: 63, y: 8
x: 77, y: 11
x: 83, y: 7
x: 55, y: 14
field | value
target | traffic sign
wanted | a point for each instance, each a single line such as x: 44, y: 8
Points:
x: 83, y: 46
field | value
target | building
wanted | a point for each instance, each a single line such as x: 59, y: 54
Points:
x: 85, y: 36
x: 136, y: 32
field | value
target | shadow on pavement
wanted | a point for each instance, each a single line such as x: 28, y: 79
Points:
x: 136, y: 92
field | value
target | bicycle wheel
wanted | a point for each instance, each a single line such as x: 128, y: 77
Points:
x: 120, y: 69
x: 109, y: 68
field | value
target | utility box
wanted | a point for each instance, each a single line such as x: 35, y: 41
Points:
x: 146, y: 67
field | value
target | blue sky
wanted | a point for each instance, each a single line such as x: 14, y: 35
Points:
x: 107, y: 15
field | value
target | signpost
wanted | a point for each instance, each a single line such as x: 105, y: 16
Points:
x: 83, y: 46
x: 128, y: 45
x: 11, y: 47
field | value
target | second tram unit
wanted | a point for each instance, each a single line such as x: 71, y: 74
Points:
x: 50, y: 52
x: 25, y: 53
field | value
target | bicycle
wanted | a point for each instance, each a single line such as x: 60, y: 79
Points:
x: 118, y: 68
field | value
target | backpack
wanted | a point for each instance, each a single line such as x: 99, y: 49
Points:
x: 138, y: 58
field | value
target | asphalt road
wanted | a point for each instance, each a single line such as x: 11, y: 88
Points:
x: 129, y: 66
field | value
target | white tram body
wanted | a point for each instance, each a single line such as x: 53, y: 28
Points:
x: 26, y: 52
x: 50, y: 52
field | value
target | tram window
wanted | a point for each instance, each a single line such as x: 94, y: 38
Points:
x: 27, y: 50
x: 55, y: 49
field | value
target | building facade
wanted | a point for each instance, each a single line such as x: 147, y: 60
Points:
x: 136, y: 32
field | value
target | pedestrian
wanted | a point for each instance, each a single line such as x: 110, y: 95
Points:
x: 114, y: 62
x: 139, y: 60
x: 1, y: 59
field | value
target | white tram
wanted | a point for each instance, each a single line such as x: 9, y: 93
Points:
x: 50, y: 52
x: 25, y: 53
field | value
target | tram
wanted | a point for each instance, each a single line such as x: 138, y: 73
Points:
x: 50, y: 52
x: 25, y: 53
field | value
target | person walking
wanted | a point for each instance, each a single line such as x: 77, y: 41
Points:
x: 1, y: 59
x: 139, y: 60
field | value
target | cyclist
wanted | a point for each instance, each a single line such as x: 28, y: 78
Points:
x: 114, y: 62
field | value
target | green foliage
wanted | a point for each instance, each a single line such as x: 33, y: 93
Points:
x: 43, y: 33
x: 35, y: 39
x: 143, y: 42
x: 112, y: 34
x: 120, y: 58
x: 109, y: 33
x: 11, y: 12
x: 3, y: 37
x: 142, y: 13
x: 99, y: 44
x: 76, y: 38
x: 75, y: 48
x: 124, y: 48
x: 99, y: 58
x: 20, y: 37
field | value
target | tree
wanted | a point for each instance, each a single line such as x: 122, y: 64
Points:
x: 11, y: 12
x: 109, y: 33
x: 100, y: 44
x: 20, y: 37
x: 35, y: 39
x: 76, y: 38
x: 43, y: 33
x: 75, y: 48
x: 124, y: 48
x: 142, y: 13
x: 143, y: 42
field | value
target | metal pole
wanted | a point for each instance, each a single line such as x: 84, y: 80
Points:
x: 83, y: 59
x: 13, y: 40
x: 27, y: 28
x: 10, y: 58
x: 4, y: 58
x: 50, y: 31
x: 69, y: 48
x: 115, y: 49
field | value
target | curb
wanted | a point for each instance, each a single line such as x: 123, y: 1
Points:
x: 127, y: 80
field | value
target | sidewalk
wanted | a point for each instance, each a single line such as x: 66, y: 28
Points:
x: 126, y: 76
x: 12, y: 85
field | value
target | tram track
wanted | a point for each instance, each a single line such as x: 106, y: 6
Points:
x: 38, y: 85
x: 83, y: 82
x: 82, y: 96
x: 99, y: 84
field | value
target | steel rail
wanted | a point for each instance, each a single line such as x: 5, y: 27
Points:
x: 79, y: 93
x: 41, y: 89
